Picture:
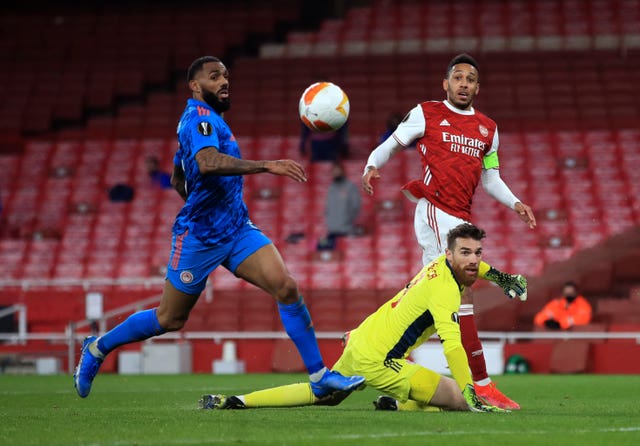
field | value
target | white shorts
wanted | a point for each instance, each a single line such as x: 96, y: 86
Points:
x: 432, y: 226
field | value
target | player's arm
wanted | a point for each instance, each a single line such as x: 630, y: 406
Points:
x: 411, y: 128
x: 512, y: 284
x: 178, y: 181
x: 212, y: 162
x: 377, y: 159
x: 449, y: 332
x: 445, y: 320
x: 459, y: 367
x: 498, y: 189
x: 495, y: 186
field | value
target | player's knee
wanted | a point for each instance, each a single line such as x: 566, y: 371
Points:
x: 287, y: 290
x: 448, y: 396
x: 170, y: 322
x: 458, y: 402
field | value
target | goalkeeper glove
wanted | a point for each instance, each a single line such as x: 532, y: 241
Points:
x: 512, y: 284
x: 475, y: 404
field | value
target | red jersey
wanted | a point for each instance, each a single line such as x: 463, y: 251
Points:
x: 451, y: 151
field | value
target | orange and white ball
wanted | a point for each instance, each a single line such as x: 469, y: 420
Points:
x: 324, y: 107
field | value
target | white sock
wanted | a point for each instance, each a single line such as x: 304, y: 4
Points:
x: 483, y: 382
x: 317, y: 376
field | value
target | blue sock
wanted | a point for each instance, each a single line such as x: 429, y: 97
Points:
x: 137, y: 327
x: 297, y: 322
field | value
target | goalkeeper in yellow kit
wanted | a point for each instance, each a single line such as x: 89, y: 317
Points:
x: 378, y: 348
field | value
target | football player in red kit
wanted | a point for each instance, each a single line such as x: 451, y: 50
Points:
x: 458, y: 148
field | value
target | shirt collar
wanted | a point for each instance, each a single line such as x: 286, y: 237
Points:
x: 460, y: 287
x: 196, y: 103
x: 471, y: 111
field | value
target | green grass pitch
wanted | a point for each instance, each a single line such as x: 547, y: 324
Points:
x: 162, y: 410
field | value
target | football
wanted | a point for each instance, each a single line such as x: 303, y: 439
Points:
x: 324, y: 107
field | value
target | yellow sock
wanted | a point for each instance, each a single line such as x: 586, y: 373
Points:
x: 412, y: 405
x: 284, y: 396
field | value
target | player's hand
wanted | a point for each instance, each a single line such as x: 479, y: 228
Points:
x: 287, y: 168
x: 476, y: 404
x: 372, y: 172
x: 526, y: 214
x: 513, y: 285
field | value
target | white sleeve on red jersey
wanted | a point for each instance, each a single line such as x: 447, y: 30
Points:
x: 382, y: 153
x: 494, y: 144
x: 410, y: 129
x: 492, y: 183
x: 495, y: 186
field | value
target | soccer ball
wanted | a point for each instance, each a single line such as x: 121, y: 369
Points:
x: 324, y: 107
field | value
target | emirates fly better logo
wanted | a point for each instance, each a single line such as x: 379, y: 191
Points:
x: 465, y: 145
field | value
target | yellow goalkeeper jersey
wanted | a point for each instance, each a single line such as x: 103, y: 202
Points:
x: 428, y: 304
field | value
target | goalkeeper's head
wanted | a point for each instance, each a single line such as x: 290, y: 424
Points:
x: 464, y: 252
x: 464, y: 230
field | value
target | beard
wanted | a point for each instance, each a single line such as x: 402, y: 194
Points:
x: 457, y: 104
x: 220, y: 106
x: 463, y: 276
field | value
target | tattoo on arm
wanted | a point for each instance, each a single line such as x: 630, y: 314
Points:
x: 210, y: 161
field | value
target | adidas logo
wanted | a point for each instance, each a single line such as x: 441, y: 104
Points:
x: 444, y: 122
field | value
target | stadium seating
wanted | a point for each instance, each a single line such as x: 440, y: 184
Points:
x: 97, y: 57
x: 556, y: 83
x: 54, y: 240
x: 409, y: 26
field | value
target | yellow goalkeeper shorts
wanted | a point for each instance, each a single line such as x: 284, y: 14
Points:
x: 393, y: 379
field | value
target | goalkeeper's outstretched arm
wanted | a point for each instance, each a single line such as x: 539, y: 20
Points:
x: 457, y: 361
x: 513, y: 285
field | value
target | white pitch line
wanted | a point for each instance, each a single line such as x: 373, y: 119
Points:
x: 483, y: 432
x: 187, y: 441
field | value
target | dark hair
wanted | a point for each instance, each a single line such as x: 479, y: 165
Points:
x: 461, y: 58
x: 197, y: 64
x: 570, y: 283
x: 464, y: 230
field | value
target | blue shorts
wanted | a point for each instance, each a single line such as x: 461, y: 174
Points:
x: 192, y: 261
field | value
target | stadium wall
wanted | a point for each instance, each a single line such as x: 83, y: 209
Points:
x: 269, y: 355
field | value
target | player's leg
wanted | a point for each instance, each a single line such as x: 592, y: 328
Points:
x: 429, y: 388
x: 405, y: 385
x: 291, y: 395
x: 485, y: 388
x: 170, y: 315
x: 428, y: 392
x: 267, y: 271
x: 429, y: 230
x: 471, y: 341
x: 256, y: 260
x: 432, y: 226
x: 188, y: 269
